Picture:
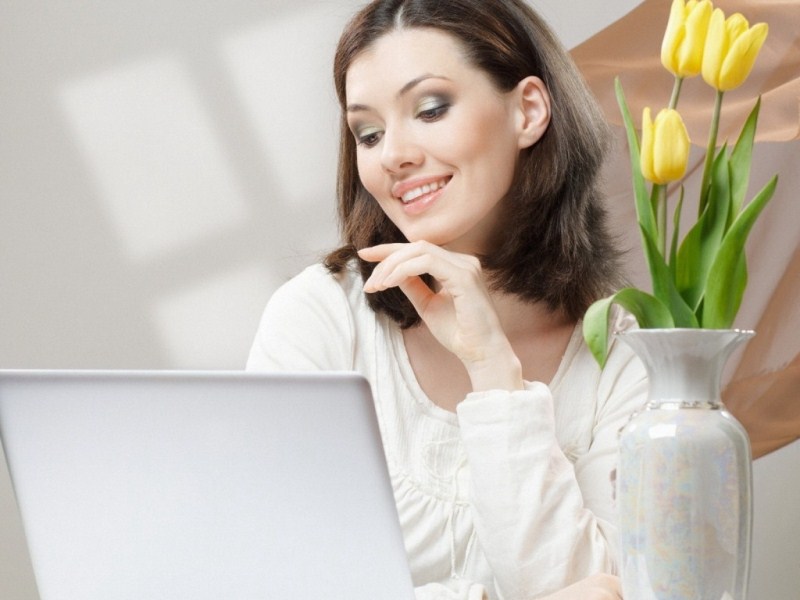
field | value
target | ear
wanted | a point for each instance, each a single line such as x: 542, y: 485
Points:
x: 533, y: 115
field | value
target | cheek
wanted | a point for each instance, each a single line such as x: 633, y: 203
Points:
x: 367, y: 172
x: 489, y: 135
x: 493, y: 153
x: 372, y: 177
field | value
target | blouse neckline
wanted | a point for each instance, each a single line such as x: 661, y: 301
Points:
x: 403, y: 362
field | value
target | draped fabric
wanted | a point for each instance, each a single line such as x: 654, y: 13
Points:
x: 762, y: 384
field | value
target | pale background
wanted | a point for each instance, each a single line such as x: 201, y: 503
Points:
x: 164, y: 165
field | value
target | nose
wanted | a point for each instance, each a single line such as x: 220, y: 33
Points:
x: 400, y: 150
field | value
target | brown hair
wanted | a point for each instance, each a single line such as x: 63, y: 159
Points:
x: 553, y: 245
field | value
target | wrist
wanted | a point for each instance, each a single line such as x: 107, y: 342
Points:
x: 499, y: 370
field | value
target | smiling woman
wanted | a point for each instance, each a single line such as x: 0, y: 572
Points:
x: 438, y: 152
x: 473, y: 241
x: 551, y: 210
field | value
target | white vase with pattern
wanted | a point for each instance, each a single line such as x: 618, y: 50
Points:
x: 684, y: 479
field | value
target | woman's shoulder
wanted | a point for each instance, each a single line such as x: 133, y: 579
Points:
x: 317, y: 295
x: 317, y: 284
x: 315, y: 276
x: 310, y: 322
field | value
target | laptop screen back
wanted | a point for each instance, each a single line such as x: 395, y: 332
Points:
x: 173, y: 485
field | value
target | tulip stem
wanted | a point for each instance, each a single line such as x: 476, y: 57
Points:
x: 676, y: 92
x: 711, y: 151
x: 660, y: 196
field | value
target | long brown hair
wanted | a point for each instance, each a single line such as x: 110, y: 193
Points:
x: 553, y: 245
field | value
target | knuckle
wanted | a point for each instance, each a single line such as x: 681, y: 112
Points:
x: 421, y: 245
x: 474, y: 269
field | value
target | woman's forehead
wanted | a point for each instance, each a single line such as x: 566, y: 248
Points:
x: 402, y: 55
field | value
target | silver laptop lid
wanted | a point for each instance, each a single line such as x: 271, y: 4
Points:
x: 173, y: 485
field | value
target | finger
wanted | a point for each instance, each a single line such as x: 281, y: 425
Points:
x: 388, y: 256
x: 395, y: 270
x: 382, y: 252
x: 417, y: 292
x: 428, y: 259
x: 379, y: 252
x: 451, y: 274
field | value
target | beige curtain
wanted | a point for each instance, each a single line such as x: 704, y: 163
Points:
x: 763, y: 382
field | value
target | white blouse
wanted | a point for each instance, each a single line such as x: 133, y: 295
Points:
x: 509, y: 498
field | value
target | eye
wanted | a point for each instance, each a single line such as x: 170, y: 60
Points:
x: 433, y: 109
x: 369, y: 140
x: 368, y: 137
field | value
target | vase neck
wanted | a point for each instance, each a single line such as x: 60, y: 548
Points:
x: 684, y: 366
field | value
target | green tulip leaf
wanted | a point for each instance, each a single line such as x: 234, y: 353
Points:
x: 649, y: 311
x: 644, y: 210
x: 728, y: 274
x: 740, y: 162
x: 664, y: 287
x: 700, y: 247
x: 687, y: 265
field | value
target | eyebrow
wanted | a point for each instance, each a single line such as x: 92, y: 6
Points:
x: 403, y: 90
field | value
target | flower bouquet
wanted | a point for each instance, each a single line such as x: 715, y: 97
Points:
x: 697, y: 281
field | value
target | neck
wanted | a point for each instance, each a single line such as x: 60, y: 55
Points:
x: 519, y: 318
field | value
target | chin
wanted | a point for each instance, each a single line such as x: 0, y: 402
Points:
x: 433, y: 234
x: 432, y: 238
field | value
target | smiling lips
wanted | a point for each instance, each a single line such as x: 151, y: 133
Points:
x: 410, y: 191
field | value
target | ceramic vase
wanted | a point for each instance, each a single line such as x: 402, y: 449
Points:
x: 684, y: 479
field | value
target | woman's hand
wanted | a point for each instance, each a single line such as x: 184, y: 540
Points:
x: 594, y: 587
x: 460, y: 314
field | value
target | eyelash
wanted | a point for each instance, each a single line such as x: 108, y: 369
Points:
x: 429, y: 115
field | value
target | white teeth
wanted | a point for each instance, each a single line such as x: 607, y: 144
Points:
x: 422, y: 190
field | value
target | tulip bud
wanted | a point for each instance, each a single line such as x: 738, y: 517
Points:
x: 685, y: 37
x: 731, y: 49
x: 665, y: 146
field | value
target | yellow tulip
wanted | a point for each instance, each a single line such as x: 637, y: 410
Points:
x: 665, y: 146
x: 685, y: 37
x: 731, y: 49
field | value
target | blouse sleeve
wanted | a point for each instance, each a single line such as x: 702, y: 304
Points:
x: 543, y: 522
x: 306, y: 326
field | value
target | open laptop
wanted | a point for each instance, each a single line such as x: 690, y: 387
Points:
x: 202, y: 485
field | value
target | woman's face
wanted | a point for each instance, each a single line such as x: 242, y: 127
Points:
x: 437, y: 142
